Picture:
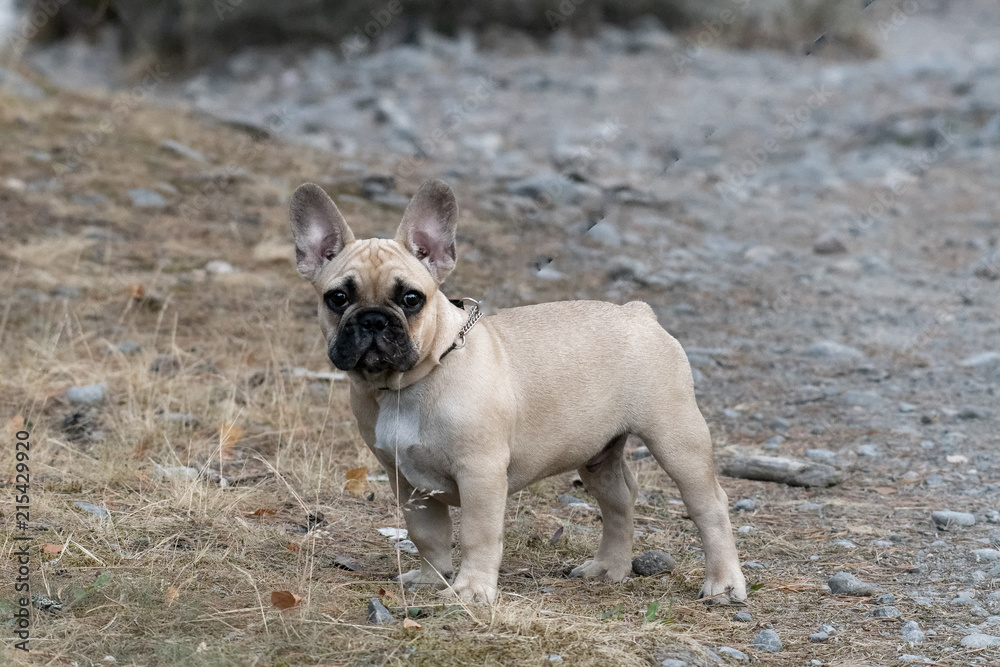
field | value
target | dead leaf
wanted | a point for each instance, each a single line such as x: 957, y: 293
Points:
x: 136, y: 291
x: 229, y: 434
x: 410, y: 623
x: 556, y: 536
x: 357, y: 480
x: 292, y: 547
x: 52, y: 548
x: 387, y: 594
x: 285, y: 599
x: 262, y: 511
x: 172, y: 594
x: 15, y: 424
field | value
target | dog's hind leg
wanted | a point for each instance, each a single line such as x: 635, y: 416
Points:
x: 683, y: 447
x: 610, y: 481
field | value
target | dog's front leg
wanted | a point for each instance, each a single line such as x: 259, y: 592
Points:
x: 429, y: 524
x: 484, y: 501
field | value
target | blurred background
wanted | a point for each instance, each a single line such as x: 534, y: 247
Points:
x: 806, y: 192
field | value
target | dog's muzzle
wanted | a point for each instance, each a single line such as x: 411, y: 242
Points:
x: 373, y: 340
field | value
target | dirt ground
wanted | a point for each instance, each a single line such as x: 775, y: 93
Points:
x: 226, y: 457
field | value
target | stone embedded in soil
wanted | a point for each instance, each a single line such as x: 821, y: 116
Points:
x: 981, y: 359
x: 828, y: 349
x: 781, y: 470
x: 768, y: 640
x: 829, y: 243
x: 671, y: 662
x: 818, y: 637
x: 143, y: 198
x: 912, y: 633
x: 951, y: 519
x: 653, y: 562
x: 746, y: 505
x: 979, y: 641
x: 182, y: 150
x: 743, y: 617
x: 886, y: 598
x: 87, y: 394
x: 820, y: 454
x: 573, y: 501
x: 987, y: 555
x: 730, y: 652
x: 845, y: 583
x: 99, y: 511
x: 915, y: 659
x: 219, y: 267
x: 887, y: 611
x: 377, y: 613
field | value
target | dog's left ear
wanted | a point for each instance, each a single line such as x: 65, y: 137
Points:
x: 320, y: 230
x: 428, y: 228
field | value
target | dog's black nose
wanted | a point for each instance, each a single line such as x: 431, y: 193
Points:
x: 373, y: 320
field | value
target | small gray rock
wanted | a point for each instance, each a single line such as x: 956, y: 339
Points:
x: 605, y: 233
x: 746, y: 505
x: 182, y: 150
x: 573, y: 501
x: 218, y: 267
x: 867, y: 450
x: 845, y: 583
x: 671, y: 662
x: 143, y: 198
x: 653, y: 562
x: 907, y: 408
x: 820, y: 454
x: 730, y: 652
x: 988, y: 555
x: 768, y: 640
x: 818, y: 637
x: 980, y: 641
x: 887, y: 611
x: 981, y: 359
x: 949, y: 519
x: 377, y: 613
x: 912, y: 633
x: 829, y: 243
x: 857, y: 398
x: 915, y: 659
x: 743, y: 617
x: 100, y: 511
x: 627, y: 268
x: 128, y: 347
x: 87, y: 394
x: 774, y: 443
x: 885, y: 598
x: 752, y: 564
x: 828, y: 349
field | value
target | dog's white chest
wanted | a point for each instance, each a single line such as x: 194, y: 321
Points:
x: 398, y: 439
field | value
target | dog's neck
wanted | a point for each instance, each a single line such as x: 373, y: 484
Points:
x: 442, y: 330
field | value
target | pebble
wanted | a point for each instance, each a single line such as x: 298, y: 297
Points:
x: 554, y: 657
x: 979, y: 641
x: 653, y: 562
x: 987, y: 555
x: 828, y: 349
x: 218, y: 267
x: 746, y: 505
x: 745, y: 529
x: 981, y: 359
x: 858, y: 398
x: 128, y: 347
x: 774, y: 443
x: 182, y: 150
x: 951, y: 519
x: 754, y: 565
x: 99, y: 511
x: 143, y: 198
x: 739, y: 656
x: 829, y: 243
x: 820, y: 454
x: 87, y: 394
x: 912, y: 633
x: 886, y: 612
x: 627, y: 268
x: 867, y: 450
x: 743, y: 617
x: 922, y: 659
x: 845, y: 583
x: 885, y: 598
x: 907, y: 408
x: 377, y: 613
x: 673, y: 662
x: 605, y: 233
x: 818, y: 637
x: 573, y: 501
x: 768, y: 640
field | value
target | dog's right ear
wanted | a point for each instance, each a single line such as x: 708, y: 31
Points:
x: 320, y: 230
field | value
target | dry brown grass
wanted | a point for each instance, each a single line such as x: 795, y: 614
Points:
x: 192, y: 565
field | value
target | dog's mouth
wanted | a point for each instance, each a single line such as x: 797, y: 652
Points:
x: 373, y: 341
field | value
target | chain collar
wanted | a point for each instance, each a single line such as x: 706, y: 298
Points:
x: 474, y: 316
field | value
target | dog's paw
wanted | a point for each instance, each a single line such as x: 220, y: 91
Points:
x: 595, y: 569
x: 423, y: 578
x: 724, y: 590
x: 478, y: 590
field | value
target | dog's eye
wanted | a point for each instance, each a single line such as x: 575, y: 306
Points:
x: 336, y: 299
x: 412, y: 299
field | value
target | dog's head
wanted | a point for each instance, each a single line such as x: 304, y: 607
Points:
x: 378, y: 298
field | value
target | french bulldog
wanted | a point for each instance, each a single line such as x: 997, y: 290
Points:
x: 463, y: 411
